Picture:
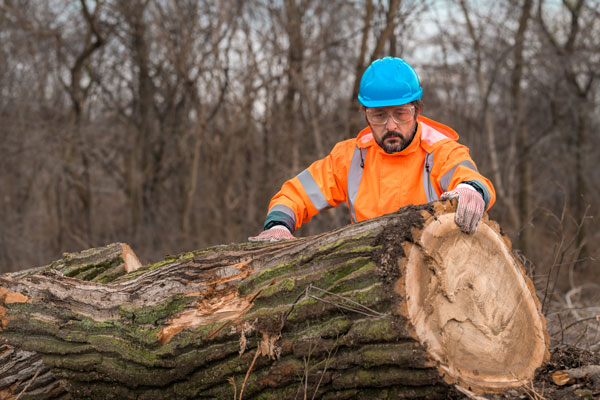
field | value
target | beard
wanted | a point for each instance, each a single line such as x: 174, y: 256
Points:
x: 396, y: 145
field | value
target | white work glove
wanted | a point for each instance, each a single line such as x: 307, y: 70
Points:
x: 275, y: 234
x: 470, y: 207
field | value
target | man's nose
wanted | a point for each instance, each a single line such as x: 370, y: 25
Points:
x: 391, y: 125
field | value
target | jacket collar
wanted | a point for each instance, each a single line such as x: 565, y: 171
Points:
x: 430, y: 134
x: 366, y: 139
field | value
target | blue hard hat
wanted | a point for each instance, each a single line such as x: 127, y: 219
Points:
x: 389, y: 81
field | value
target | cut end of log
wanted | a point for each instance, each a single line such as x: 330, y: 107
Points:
x: 472, y: 307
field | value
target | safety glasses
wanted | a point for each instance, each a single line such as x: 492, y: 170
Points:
x: 380, y: 116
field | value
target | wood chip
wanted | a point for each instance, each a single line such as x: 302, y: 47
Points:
x: 570, y: 376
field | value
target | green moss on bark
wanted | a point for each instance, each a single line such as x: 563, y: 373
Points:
x: 157, y: 313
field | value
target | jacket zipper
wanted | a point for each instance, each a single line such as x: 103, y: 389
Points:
x: 428, y: 177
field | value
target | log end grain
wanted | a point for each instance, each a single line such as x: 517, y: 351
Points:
x: 471, y: 305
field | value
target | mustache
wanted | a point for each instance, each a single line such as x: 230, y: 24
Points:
x: 392, y: 134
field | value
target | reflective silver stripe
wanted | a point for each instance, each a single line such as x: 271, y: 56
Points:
x: 314, y: 192
x: 430, y: 192
x: 445, y: 181
x: 354, y: 177
x: 283, y: 209
x: 287, y: 211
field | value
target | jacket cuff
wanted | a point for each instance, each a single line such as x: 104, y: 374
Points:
x: 279, y: 218
x: 482, y: 191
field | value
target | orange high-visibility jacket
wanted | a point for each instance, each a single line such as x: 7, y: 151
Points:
x: 373, y: 183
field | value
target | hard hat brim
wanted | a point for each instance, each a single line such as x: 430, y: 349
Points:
x: 389, y: 102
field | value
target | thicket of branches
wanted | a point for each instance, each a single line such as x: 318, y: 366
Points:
x: 170, y: 124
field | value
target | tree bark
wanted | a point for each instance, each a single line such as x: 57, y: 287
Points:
x: 399, y: 306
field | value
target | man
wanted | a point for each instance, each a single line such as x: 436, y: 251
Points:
x: 401, y: 158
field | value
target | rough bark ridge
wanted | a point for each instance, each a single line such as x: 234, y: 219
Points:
x: 395, y: 307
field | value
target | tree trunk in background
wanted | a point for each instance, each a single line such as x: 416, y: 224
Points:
x: 140, y: 163
x: 295, y: 54
x: 523, y: 150
x: 397, y: 306
x: 77, y: 165
x: 581, y: 202
x: 360, y: 60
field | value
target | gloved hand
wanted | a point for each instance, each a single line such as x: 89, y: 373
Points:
x: 470, y: 207
x: 276, y: 233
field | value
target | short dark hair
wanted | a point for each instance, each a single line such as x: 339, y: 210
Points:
x: 419, y: 106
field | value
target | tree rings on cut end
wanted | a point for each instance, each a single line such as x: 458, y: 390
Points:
x: 472, y: 306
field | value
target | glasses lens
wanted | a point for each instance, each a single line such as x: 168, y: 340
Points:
x: 380, y: 117
x: 402, y: 114
x: 377, y: 117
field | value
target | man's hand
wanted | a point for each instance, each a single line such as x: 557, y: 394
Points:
x: 470, y: 207
x: 276, y: 233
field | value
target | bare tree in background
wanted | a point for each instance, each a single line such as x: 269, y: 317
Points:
x: 570, y: 45
x: 69, y: 194
x: 521, y: 127
x: 169, y: 125
x: 77, y: 175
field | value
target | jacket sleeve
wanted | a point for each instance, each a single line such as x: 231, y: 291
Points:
x: 455, y: 166
x: 317, y: 188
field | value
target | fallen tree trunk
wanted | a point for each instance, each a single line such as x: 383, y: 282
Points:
x: 395, y: 307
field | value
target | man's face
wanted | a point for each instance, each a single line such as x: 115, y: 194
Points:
x: 395, y: 134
